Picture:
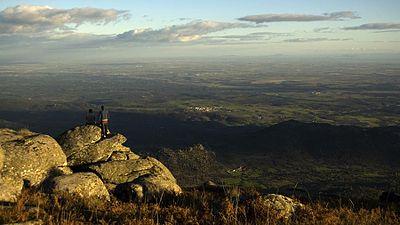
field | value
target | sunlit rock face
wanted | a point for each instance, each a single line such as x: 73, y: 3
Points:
x: 26, y: 158
x: 84, y: 145
x: 80, y: 163
x: 115, y: 163
x: 283, y: 206
x: 85, y: 185
x: 148, y: 173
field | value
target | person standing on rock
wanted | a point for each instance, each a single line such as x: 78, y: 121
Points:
x: 90, y: 118
x: 104, y: 121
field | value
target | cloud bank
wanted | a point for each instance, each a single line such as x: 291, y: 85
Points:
x: 257, y: 36
x: 29, y: 19
x: 269, y: 18
x: 375, y: 26
x: 303, y: 40
x: 324, y: 30
x: 192, y: 31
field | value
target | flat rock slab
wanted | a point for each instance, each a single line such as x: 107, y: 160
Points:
x: 119, y: 172
x: 146, y: 174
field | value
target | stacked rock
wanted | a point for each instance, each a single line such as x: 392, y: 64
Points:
x: 81, y: 163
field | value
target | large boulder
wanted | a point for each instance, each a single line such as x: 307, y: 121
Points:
x: 84, y: 145
x: 29, y: 156
x: 159, y: 180
x: 284, y: 207
x: 85, y: 185
x: 146, y: 175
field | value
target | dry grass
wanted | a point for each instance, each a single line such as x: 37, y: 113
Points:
x: 194, y: 207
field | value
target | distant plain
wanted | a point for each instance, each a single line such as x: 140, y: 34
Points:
x: 178, y: 103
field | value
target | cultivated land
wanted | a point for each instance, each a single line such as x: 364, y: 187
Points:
x: 237, y: 91
x: 228, y: 105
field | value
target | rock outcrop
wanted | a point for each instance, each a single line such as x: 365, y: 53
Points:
x: 116, y: 164
x: 283, y: 206
x: 84, y: 145
x: 32, y: 159
x: 27, y: 158
x: 85, y: 185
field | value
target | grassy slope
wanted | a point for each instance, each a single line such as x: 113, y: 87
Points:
x: 194, y: 207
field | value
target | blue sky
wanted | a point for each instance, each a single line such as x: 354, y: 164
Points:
x: 162, y: 12
x: 265, y: 27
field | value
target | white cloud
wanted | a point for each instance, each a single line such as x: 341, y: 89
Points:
x: 375, y: 26
x: 269, y: 18
x: 192, y: 31
x: 258, y: 36
x: 28, y: 19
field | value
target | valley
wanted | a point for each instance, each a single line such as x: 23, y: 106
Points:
x: 314, y: 128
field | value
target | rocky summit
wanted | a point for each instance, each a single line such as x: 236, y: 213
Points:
x: 81, y: 163
x: 84, y: 145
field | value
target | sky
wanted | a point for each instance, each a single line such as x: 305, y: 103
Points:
x: 89, y: 30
